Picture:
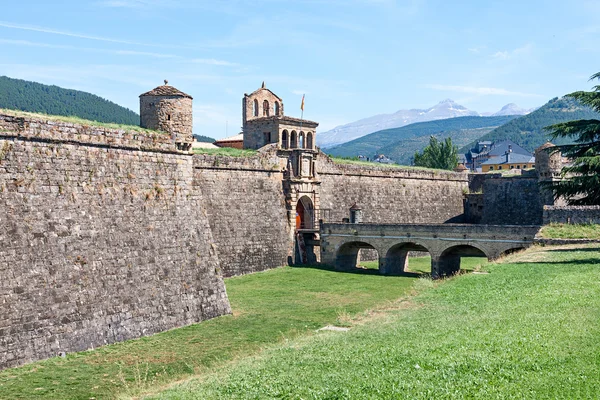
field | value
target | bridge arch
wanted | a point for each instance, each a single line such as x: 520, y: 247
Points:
x: 347, y: 258
x: 396, y: 258
x: 448, y: 262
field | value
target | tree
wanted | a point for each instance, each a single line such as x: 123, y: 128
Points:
x: 580, y: 182
x: 441, y: 155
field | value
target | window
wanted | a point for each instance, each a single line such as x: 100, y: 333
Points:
x: 266, y: 108
x: 499, y: 166
x: 301, y: 140
x: 512, y: 166
x: 255, y: 108
x: 276, y: 108
x: 491, y: 167
x: 168, y: 117
x: 267, y: 137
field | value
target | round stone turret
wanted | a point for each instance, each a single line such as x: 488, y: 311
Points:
x: 548, y: 161
x: 168, y: 109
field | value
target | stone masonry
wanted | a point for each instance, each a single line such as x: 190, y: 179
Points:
x: 391, y: 195
x: 104, y: 238
x: 168, y: 109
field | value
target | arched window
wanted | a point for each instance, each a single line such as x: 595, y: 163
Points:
x: 293, y: 140
x: 276, y: 108
x: 309, y: 140
x: 265, y: 108
x: 301, y: 140
x: 284, y: 139
x: 255, y: 108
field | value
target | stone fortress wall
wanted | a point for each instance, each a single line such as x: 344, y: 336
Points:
x: 391, y: 195
x: 571, y: 214
x: 104, y: 237
x: 245, y: 206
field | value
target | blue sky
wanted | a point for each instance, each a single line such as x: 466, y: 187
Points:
x: 352, y: 58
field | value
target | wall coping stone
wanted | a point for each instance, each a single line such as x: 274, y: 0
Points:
x: 35, y: 129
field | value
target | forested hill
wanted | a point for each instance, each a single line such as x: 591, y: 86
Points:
x: 400, y: 144
x: 528, y: 130
x: 17, y: 94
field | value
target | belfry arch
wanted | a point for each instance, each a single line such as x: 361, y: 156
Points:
x: 285, y: 139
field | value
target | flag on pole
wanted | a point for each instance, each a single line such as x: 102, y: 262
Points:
x: 302, y: 105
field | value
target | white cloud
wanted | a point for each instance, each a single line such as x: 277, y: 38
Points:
x: 89, y: 49
x: 71, y: 34
x: 479, y: 90
x: 518, y: 52
x: 501, y: 55
x: 144, y: 53
x: 477, y: 49
x: 212, y: 61
x: 132, y: 3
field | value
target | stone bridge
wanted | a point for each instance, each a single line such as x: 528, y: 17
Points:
x: 446, y: 243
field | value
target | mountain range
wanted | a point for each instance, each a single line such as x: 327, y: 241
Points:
x: 443, y: 110
x: 529, y: 131
x: 400, y: 144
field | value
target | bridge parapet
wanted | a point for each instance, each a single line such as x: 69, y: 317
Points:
x: 446, y: 243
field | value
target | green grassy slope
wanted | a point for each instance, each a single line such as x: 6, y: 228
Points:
x: 17, y: 94
x: 528, y: 130
x: 400, y: 144
x: 527, y: 330
x: 268, y: 307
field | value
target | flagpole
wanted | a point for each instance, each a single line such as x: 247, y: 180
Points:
x: 302, y: 113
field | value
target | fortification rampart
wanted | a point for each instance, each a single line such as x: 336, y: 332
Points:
x: 104, y: 237
x: 391, y: 195
x: 572, y: 214
x: 245, y: 204
x: 498, y: 199
x: 27, y: 128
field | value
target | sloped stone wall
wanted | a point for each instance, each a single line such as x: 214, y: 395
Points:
x: 571, y: 214
x: 245, y: 205
x: 100, y: 241
x: 511, y: 201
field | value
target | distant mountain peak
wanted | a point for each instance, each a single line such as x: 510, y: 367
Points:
x: 447, y: 108
x: 511, y: 109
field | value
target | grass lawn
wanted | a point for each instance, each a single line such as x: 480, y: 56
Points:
x: 528, y: 329
x: 268, y: 307
x: 227, y: 151
x: 570, y: 231
x: 339, y: 160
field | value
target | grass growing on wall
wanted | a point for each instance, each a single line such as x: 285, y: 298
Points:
x: 526, y: 330
x: 268, y: 307
x: 227, y: 151
x: 570, y: 231
x: 76, y: 120
x: 341, y: 160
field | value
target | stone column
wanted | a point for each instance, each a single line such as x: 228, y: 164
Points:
x: 444, y: 266
x: 394, y: 264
